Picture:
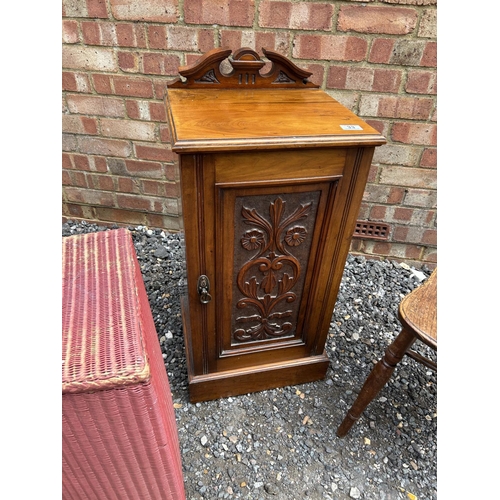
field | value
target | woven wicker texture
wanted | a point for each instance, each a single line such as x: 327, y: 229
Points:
x: 119, y: 432
x: 100, y: 305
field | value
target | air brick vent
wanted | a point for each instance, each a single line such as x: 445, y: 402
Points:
x: 371, y: 230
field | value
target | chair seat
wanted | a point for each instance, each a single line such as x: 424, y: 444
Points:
x: 418, y: 311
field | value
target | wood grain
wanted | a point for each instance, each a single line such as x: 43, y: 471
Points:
x: 229, y: 120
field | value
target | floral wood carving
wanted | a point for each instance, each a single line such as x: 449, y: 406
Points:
x: 268, y: 278
x: 246, y: 65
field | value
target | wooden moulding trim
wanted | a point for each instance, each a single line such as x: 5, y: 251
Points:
x: 216, y: 145
x: 245, y: 73
x: 257, y: 378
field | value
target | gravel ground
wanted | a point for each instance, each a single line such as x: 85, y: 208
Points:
x: 281, y: 443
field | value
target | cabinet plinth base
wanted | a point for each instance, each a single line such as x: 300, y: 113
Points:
x: 251, y: 379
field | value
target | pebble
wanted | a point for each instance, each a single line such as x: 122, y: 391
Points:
x: 354, y: 492
x: 270, y: 450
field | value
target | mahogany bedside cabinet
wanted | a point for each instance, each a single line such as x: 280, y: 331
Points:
x: 272, y: 172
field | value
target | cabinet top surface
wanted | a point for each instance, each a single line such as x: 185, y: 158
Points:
x: 233, y: 119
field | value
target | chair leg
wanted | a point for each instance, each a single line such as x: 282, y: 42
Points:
x: 378, y: 377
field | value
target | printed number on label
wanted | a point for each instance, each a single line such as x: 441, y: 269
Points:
x: 351, y: 127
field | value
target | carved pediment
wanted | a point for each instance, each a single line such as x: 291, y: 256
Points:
x: 246, y: 65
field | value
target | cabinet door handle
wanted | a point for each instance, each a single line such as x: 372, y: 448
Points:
x: 204, y: 289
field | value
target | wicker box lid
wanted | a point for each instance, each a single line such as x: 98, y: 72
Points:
x: 102, y: 327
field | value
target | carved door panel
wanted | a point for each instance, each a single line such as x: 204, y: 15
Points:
x: 268, y: 244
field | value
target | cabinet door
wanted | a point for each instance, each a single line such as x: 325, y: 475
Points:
x: 274, y: 214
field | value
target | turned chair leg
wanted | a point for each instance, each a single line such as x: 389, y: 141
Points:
x: 378, y: 377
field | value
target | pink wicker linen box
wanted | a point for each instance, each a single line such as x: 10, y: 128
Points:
x: 118, y: 425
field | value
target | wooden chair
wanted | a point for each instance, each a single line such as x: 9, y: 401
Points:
x: 418, y: 315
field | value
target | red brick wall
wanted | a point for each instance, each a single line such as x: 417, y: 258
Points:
x: 376, y: 57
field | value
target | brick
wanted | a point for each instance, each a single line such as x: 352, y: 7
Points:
x: 414, y: 133
x: 116, y: 166
x: 128, y: 86
x: 128, y: 62
x: 430, y: 256
x: 157, y: 37
x: 379, y: 125
x: 421, y: 82
x: 98, y: 164
x: 128, y: 185
x: 383, y: 194
x: 120, y: 216
x: 430, y: 237
x: 330, y: 47
x: 67, y: 162
x: 381, y: 50
x: 66, y: 179
x: 160, y: 87
x: 429, y: 57
x: 400, y: 234
x: 128, y: 129
x: 300, y: 15
x: 318, y: 72
x: 189, y: 39
x: 401, y: 214
x: 153, y: 187
x: 424, y: 198
x: 337, y: 77
x: 409, y: 177
x: 428, y: 24
x: 91, y: 33
x: 88, y: 58
x: 131, y: 35
x: 408, y: 52
x: 74, y: 8
x: 137, y: 168
x: 378, y: 213
x: 429, y: 158
x: 101, y: 106
x: 413, y: 251
x: 164, y: 134
x: 221, y: 12
x: 158, y: 153
x: 97, y: 8
x: 133, y: 202
x: 172, y: 222
x: 102, y: 83
x: 171, y: 172
x: 359, y: 78
x: 234, y: 39
x: 157, y: 112
x: 74, y: 211
x: 373, y: 173
x: 159, y: 11
x: 75, y: 82
x: 383, y: 20
x: 138, y: 110
x: 106, y: 147
x: 81, y: 162
x: 396, y: 154
x: 89, y: 196
x: 155, y: 63
x: 386, y: 80
x: 78, y: 124
x: 70, y: 31
x: 69, y: 142
x: 101, y: 182
x: 415, y: 108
